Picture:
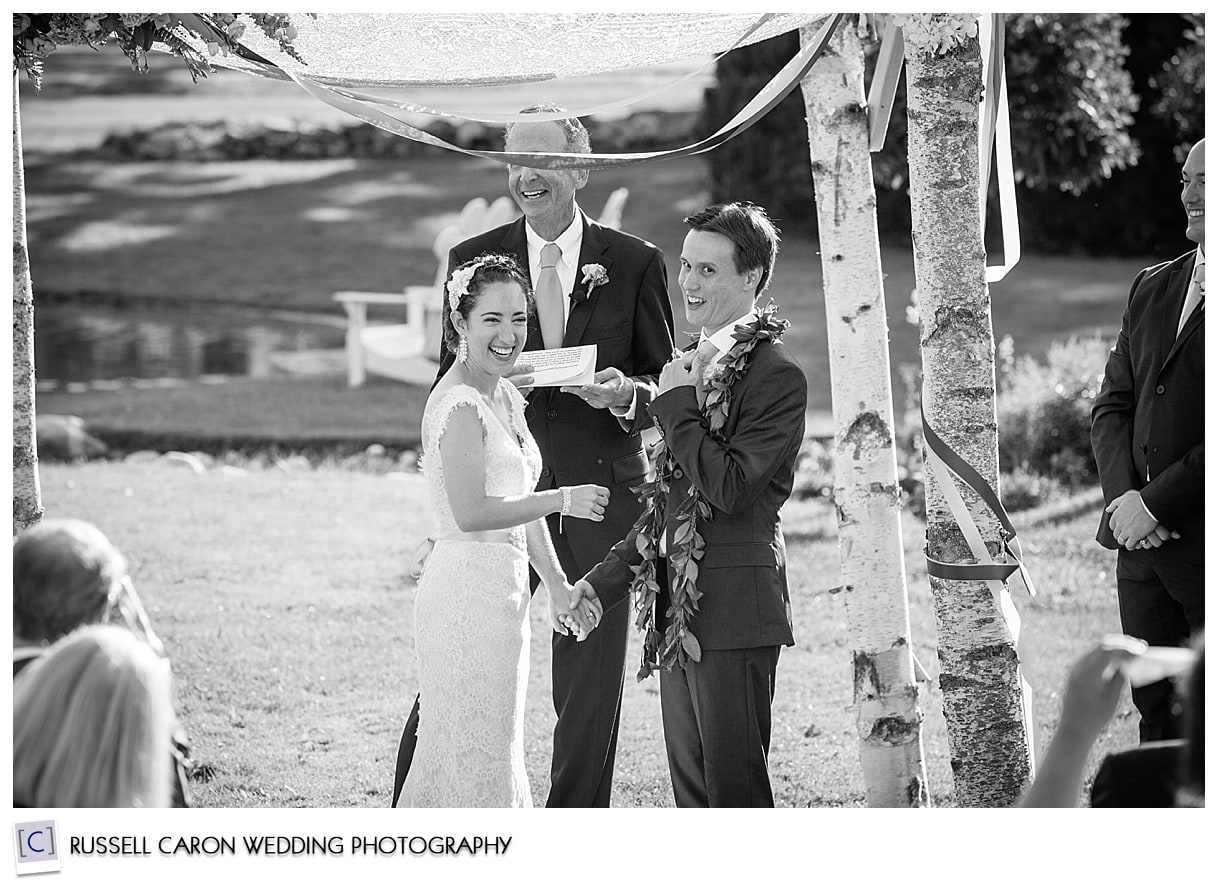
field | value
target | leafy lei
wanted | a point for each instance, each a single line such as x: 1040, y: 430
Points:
x: 677, y: 644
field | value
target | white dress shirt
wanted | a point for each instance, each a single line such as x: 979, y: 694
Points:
x: 1189, y: 305
x: 722, y: 338
x: 570, y: 241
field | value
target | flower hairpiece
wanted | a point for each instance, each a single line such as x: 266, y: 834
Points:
x: 458, y: 286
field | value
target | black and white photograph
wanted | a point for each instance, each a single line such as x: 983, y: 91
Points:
x: 618, y: 409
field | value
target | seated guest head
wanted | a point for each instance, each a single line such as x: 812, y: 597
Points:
x: 487, y: 302
x: 727, y: 259
x: 66, y: 573
x: 91, y: 720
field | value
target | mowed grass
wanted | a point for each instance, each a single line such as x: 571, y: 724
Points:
x: 290, y: 234
x: 284, y: 603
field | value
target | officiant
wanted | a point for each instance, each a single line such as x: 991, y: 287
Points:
x: 593, y: 285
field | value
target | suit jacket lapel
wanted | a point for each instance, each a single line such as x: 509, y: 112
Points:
x: 593, y: 249
x: 1173, y: 302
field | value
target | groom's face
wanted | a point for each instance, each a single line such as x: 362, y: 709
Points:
x: 714, y: 291
x: 546, y: 197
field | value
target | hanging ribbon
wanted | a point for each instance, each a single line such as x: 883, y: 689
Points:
x: 947, y: 466
x: 941, y: 454
x: 996, y: 138
x: 884, y: 82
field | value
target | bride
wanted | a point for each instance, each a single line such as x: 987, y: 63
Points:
x: 471, y: 610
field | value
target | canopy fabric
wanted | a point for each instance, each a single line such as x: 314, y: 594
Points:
x: 377, y: 49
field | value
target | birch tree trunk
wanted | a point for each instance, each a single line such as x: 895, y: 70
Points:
x: 27, y: 493
x: 980, y: 670
x: 866, y: 492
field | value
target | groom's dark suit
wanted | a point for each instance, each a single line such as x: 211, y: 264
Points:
x: 1148, y: 434
x: 716, y: 712
x: 629, y: 318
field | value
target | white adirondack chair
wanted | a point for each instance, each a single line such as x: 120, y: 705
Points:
x: 407, y: 351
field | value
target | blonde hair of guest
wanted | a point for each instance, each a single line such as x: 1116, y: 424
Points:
x: 91, y: 721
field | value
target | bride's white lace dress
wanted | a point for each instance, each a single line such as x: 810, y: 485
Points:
x: 472, y: 627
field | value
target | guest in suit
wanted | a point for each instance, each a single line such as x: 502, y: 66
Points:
x: 90, y: 721
x: 67, y: 574
x: 731, y: 413
x: 597, y: 286
x: 1148, y: 433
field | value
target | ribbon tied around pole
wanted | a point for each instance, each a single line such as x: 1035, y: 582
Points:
x: 948, y: 466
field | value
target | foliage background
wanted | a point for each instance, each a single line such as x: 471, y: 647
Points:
x: 1100, y: 105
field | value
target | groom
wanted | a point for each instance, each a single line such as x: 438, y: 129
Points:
x: 609, y: 289
x: 731, y: 412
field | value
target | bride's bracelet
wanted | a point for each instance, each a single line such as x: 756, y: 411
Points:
x: 566, y: 506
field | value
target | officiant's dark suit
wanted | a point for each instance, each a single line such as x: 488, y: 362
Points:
x: 716, y: 711
x: 1148, y: 434
x: 629, y: 319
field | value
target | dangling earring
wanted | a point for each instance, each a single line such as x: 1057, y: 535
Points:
x: 462, y: 351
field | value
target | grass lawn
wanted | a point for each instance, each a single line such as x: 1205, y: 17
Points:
x: 284, y: 604
x: 308, y: 412
x: 289, y: 234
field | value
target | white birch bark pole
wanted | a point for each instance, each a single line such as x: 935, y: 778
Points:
x: 27, y: 492
x: 980, y: 670
x: 866, y: 492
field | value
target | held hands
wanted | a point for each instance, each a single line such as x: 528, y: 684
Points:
x: 1132, y: 526
x: 677, y: 372
x: 574, y: 612
x: 609, y: 388
x: 588, y: 501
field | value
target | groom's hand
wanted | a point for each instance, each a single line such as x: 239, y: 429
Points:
x: 586, y: 607
x: 677, y: 372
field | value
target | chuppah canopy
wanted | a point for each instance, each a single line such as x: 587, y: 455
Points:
x: 328, y: 54
x: 375, y: 49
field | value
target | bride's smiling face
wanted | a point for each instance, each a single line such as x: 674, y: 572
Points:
x: 496, y: 327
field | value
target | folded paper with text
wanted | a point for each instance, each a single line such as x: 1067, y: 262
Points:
x: 569, y: 366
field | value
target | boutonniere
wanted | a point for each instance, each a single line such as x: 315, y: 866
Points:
x: 594, y: 276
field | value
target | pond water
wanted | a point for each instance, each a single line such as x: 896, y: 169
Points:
x: 86, y: 345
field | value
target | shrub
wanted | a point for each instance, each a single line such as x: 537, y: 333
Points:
x: 293, y: 139
x: 1044, y: 410
x: 814, y: 469
x: 1021, y: 489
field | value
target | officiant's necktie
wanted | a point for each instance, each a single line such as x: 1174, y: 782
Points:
x: 1195, y: 297
x: 550, y: 311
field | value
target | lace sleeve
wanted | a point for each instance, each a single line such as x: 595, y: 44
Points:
x: 440, y: 411
x: 520, y: 424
